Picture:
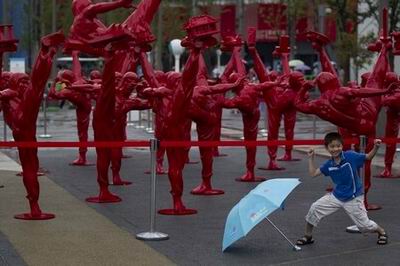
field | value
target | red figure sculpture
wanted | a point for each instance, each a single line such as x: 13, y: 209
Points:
x: 200, y: 30
x: 277, y: 103
x: 62, y: 90
x: 21, y: 113
x: 161, y: 106
x: 342, y: 105
x: 392, y: 123
x: 246, y: 100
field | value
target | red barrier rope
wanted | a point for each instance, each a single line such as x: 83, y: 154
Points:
x: 171, y: 144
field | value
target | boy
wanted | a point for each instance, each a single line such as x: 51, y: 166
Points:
x: 343, y: 169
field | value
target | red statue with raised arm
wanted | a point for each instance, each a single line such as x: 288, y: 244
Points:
x: 200, y: 30
x: 20, y: 114
x: 351, y: 108
x: 62, y: 90
x: 392, y: 102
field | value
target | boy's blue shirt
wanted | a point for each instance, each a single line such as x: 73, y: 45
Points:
x: 344, y: 175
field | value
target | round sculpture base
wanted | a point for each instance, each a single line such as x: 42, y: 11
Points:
x: 29, y: 216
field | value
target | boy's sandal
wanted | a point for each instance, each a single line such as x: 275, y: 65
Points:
x: 382, y: 239
x: 305, y: 240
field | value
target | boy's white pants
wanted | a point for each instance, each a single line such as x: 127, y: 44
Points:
x: 355, y: 208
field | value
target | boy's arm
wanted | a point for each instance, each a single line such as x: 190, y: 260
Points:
x: 372, y: 153
x: 314, y: 172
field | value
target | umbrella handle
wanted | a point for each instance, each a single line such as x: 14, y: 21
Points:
x: 295, y: 247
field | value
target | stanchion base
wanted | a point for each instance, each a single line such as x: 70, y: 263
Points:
x: 29, y: 216
x: 108, y: 199
x: 255, y: 179
x: 177, y: 212
x: 353, y: 229
x: 121, y: 183
x: 45, y: 136
x: 272, y: 168
x: 387, y: 177
x: 152, y: 236
x: 373, y: 207
x: 206, y: 192
x: 296, y: 248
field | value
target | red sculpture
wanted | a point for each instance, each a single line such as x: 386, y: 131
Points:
x: 123, y: 104
x: 279, y: 100
x: 21, y: 113
x: 353, y: 109
x: 200, y: 30
x: 66, y: 87
x: 392, y: 101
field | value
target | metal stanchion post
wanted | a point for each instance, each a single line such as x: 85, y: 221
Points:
x: 4, y: 129
x: 140, y: 121
x: 314, y: 127
x: 129, y: 123
x: 149, y: 128
x: 45, y: 135
x: 152, y: 234
x: 363, y: 147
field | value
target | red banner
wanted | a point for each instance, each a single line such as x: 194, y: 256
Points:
x: 272, y: 21
x: 228, y: 20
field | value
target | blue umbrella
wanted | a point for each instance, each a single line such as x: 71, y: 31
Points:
x: 255, y: 207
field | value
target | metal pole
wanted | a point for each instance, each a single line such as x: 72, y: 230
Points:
x: 4, y: 129
x: 149, y: 128
x: 140, y: 121
x: 45, y: 135
x: 314, y: 126
x: 152, y: 234
x: 129, y: 123
x: 363, y: 147
x: 295, y: 247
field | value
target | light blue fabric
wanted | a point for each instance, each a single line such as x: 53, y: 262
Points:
x: 255, y: 206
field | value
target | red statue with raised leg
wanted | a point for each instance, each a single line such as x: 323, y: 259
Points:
x: 353, y: 109
x: 200, y: 30
x: 62, y: 90
x: 392, y: 102
x: 21, y: 113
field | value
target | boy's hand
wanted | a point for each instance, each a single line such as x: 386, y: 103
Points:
x: 311, y: 153
x: 377, y: 142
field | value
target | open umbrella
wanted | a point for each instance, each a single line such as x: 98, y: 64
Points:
x: 255, y: 207
x: 295, y: 62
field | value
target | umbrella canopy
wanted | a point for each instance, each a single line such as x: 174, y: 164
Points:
x: 255, y: 206
x: 295, y: 62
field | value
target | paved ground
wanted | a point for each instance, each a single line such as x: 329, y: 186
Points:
x: 103, y: 234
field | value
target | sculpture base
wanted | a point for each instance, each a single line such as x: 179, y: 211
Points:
x: 283, y: 159
x: 255, y: 179
x: 177, y: 212
x: 29, y: 216
x: 121, y: 183
x: 373, y: 207
x: 207, y: 192
x: 81, y: 164
x: 274, y: 168
x: 387, y: 176
x: 104, y: 199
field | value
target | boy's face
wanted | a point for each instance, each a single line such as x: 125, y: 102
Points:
x: 335, y: 147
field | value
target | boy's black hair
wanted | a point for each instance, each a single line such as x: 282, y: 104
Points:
x: 331, y: 137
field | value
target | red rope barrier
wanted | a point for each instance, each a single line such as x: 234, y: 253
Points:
x: 171, y: 144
